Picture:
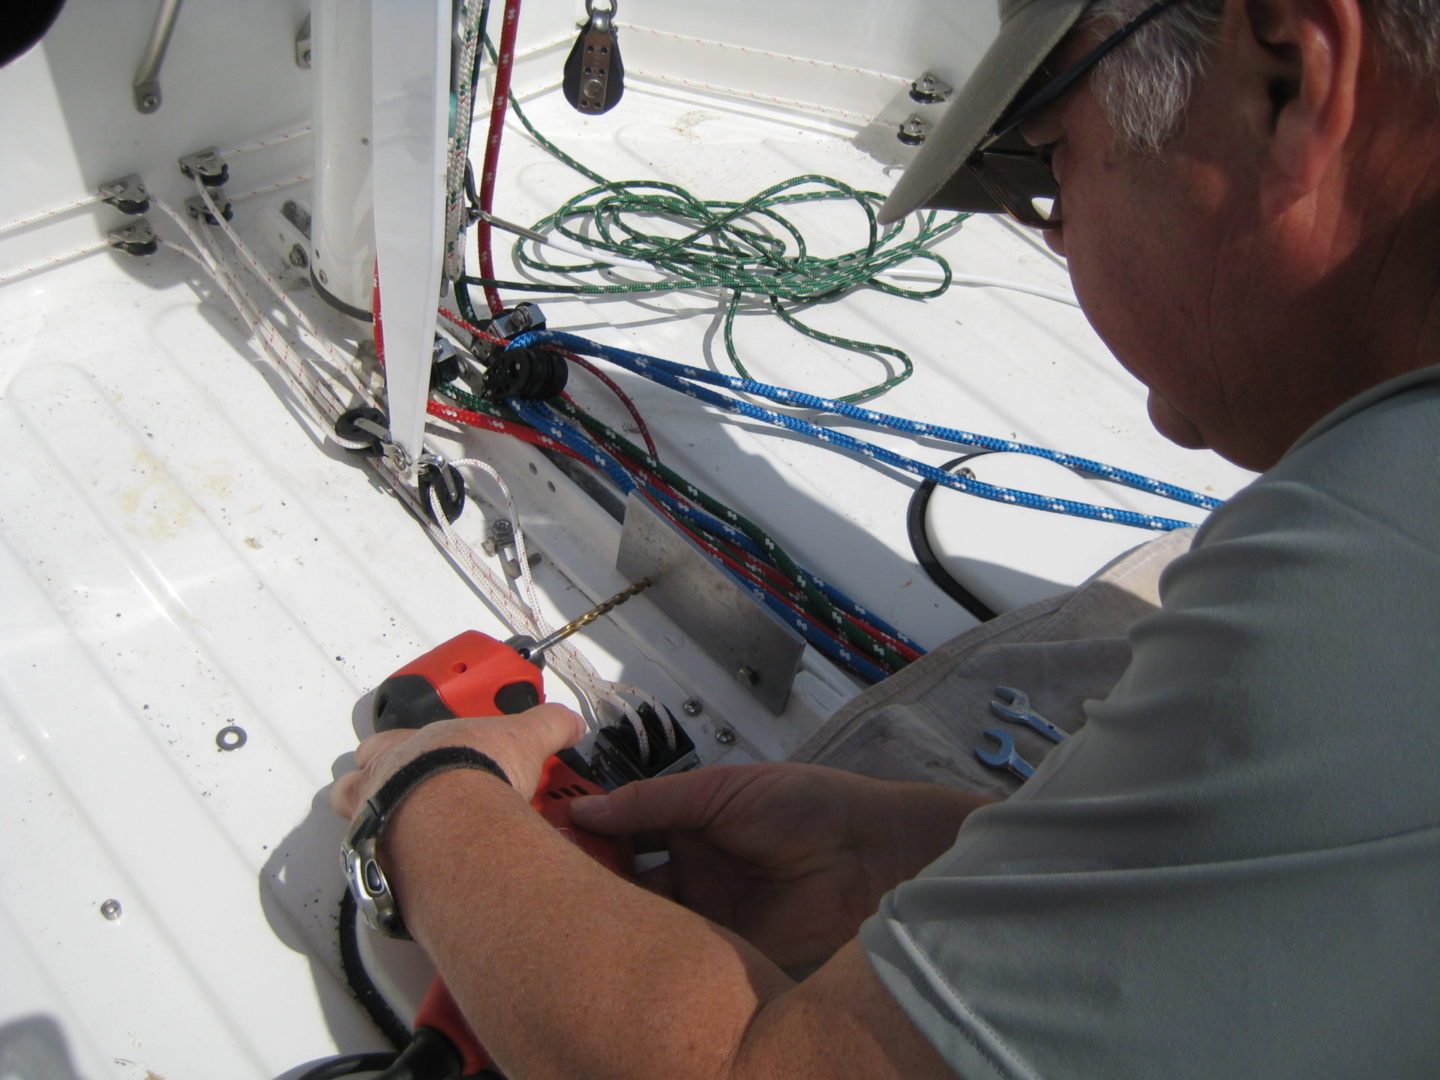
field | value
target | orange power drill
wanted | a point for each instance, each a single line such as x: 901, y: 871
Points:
x: 475, y: 675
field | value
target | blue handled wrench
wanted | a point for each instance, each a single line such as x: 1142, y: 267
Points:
x: 1014, y: 706
x: 1005, y: 757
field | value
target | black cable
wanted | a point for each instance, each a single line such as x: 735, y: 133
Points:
x: 350, y: 1065
x: 365, y: 990
x: 920, y: 544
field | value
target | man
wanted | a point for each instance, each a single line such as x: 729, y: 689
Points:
x: 1234, y: 869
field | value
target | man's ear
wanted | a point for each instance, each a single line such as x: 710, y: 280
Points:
x: 1310, y: 53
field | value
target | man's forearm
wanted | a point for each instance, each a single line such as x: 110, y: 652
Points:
x: 570, y: 970
x: 566, y: 970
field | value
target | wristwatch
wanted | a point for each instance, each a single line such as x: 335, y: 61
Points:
x: 359, y: 851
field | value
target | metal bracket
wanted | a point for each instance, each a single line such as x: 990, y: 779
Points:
x: 147, y: 76
x: 501, y: 542
x: 128, y: 194
x: 298, y: 214
x: 207, y: 165
x: 302, y: 45
x: 930, y: 89
x: 196, y: 208
x: 713, y: 608
x: 136, y: 238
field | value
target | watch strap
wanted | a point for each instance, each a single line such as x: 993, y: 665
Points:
x: 411, y: 775
x: 360, y: 851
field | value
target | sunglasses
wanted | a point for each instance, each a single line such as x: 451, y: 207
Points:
x: 1015, y: 174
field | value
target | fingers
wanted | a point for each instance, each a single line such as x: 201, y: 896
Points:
x: 345, y: 797
x: 559, y: 727
x: 684, y: 801
x: 519, y: 744
x: 374, y: 746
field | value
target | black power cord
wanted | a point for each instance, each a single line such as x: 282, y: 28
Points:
x: 424, y: 1055
x: 915, y: 519
x: 371, y: 1000
x: 349, y: 1065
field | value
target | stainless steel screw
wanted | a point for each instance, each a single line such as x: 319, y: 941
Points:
x: 692, y: 708
x: 110, y: 909
x: 324, y: 277
x: 724, y: 736
x: 298, y: 257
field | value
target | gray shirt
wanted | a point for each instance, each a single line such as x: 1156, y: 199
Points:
x: 1233, y: 869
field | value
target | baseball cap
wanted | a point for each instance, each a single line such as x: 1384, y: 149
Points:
x: 1029, y: 31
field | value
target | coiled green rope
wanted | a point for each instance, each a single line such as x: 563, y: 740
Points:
x: 748, y: 249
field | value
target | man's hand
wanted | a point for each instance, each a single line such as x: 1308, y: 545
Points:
x: 791, y: 857
x: 519, y: 744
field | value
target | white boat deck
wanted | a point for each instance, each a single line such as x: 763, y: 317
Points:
x: 182, y: 551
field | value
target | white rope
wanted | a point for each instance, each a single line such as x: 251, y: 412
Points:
x: 265, y: 142
x: 569, y: 664
x: 340, y: 363
x: 455, y: 207
x: 526, y: 578
x: 266, y: 189
x: 297, y: 372
x: 746, y: 50
x: 55, y: 260
x: 1059, y: 296
x: 46, y: 215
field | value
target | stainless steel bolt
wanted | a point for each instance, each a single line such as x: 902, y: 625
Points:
x: 692, y: 708
x: 724, y: 736
x: 298, y: 256
x: 150, y: 103
x: 913, y: 131
x: 110, y: 909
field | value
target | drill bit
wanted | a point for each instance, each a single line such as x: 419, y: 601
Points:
x: 534, y: 652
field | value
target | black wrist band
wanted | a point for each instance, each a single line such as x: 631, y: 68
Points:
x: 359, y: 852
x: 426, y: 765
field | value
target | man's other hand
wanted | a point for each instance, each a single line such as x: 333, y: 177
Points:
x: 791, y: 857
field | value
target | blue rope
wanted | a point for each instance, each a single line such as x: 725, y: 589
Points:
x: 683, y: 379
x: 542, y: 418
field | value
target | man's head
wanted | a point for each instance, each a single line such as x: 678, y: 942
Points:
x: 1247, y: 189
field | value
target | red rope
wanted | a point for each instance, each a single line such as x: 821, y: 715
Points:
x: 457, y: 415
x: 481, y: 334
x: 614, y: 388
x: 375, y: 311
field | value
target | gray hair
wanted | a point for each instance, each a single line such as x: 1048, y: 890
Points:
x: 1144, y: 85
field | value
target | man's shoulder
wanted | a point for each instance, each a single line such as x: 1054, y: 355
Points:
x: 1367, y: 470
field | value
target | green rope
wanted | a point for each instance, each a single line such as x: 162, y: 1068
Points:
x: 749, y: 249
